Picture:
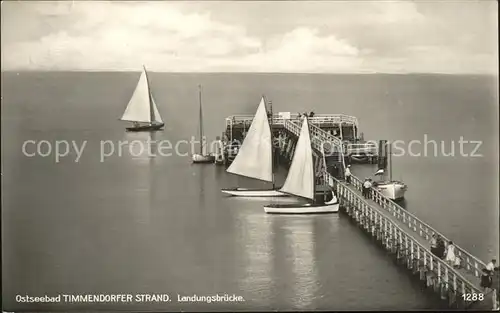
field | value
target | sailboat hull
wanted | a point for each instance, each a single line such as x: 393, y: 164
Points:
x: 301, y: 209
x: 244, y: 192
x: 144, y: 128
x: 198, y: 158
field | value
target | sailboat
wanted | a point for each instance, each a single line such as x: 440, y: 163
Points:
x: 392, y: 189
x: 301, y: 181
x: 141, y: 109
x: 255, y: 157
x: 202, y: 157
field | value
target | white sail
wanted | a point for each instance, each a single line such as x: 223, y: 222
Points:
x: 157, y: 117
x: 300, y: 180
x: 254, y: 158
x: 139, y: 106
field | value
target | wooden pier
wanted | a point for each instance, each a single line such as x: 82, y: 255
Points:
x: 407, y: 238
x: 403, y: 235
x: 344, y: 128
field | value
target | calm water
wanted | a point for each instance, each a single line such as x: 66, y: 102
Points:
x: 159, y: 224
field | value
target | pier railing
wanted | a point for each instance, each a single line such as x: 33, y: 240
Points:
x: 469, y: 262
x: 318, y: 138
x: 280, y: 120
x: 325, y: 137
x: 335, y: 144
x: 415, y: 253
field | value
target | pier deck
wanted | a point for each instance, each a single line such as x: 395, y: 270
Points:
x: 404, y: 235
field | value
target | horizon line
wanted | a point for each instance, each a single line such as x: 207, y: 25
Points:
x: 244, y: 72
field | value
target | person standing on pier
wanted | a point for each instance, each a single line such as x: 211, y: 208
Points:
x: 441, y: 247
x: 367, y: 186
x: 495, y: 285
x: 491, y: 266
x: 434, y: 245
x: 348, y: 174
x: 450, y: 253
x: 486, y: 280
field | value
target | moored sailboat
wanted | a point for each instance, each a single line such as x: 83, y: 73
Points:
x: 301, y: 181
x: 255, y: 157
x: 392, y: 189
x: 202, y: 156
x: 141, y: 109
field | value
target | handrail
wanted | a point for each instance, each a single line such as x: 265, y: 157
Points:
x: 316, y: 131
x: 317, y: 135
x: 453, y: 280
x: 472, y: 263
x: 327, y: 137
x: 279, y: 120
x: 318, y: 139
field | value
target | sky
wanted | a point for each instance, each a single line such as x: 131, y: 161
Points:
x: 447, y: 36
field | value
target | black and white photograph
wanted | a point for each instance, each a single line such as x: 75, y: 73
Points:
x: 249, y: 156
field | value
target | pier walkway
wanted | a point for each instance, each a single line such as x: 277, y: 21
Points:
x: 404, y: 235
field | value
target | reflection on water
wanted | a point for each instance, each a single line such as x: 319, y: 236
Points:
x: 139, y: 155
x: 300, y: 242
x: 254, y: 234
x: 297, y: 245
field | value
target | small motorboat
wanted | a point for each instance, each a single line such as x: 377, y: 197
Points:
x: 392, y: 189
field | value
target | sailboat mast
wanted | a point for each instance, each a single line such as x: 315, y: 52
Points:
x: 325, y: 177
x: 201, y: 122
x: 151, y: 110
x: 390, y: 161
x: 306, y: 120
x: 272, y: 146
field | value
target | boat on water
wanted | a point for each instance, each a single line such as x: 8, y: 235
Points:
x: 141, y: 109
x: 202, y: 156
x: 255, y: 157
x: 392, y: 189
x: 301, y: 181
